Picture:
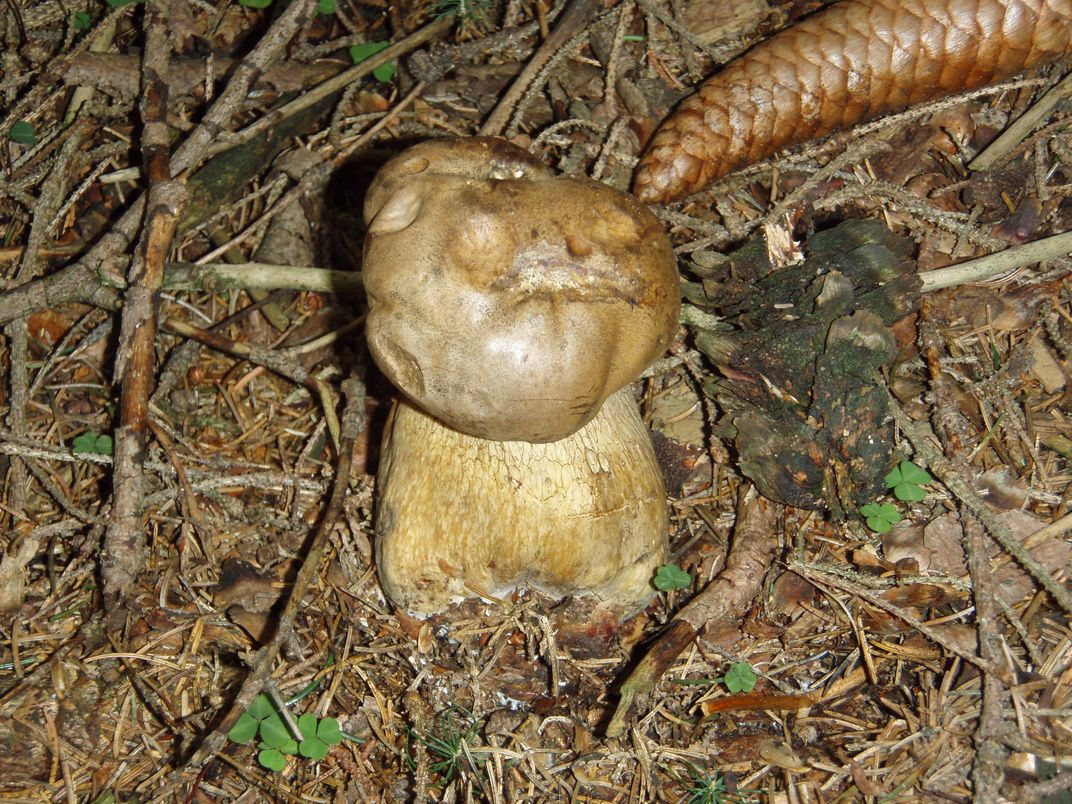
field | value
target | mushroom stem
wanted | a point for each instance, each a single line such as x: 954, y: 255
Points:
x: 461, y: 515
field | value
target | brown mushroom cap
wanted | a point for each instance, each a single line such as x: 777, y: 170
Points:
x: 508, y: 304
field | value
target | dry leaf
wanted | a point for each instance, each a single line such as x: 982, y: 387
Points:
x: 780, y: 754
x: 1044, y: 367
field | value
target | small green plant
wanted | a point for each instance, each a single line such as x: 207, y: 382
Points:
x: 740, y: 678
x: 93, y: 444
x: 366, y: 50
x: 671, y: 576
x: 22, y: 132
x: 906, y: 480
x: 709, y: 787
x: 276, y: 742
x: 880, y: 517
x: 82, y: 20
x: 448, y: 744
x: 325, y: 7
x: 318, y: 735
x: 121, y: 3
x: 464, y: 10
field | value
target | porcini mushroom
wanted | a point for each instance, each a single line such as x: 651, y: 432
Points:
x: 512, y: 309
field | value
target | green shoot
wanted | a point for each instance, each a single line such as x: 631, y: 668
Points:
x: 464, y: 10
x: 710, y: 788
x: 448, y: 745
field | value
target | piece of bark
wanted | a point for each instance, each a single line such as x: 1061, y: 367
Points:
x: 802, y: 386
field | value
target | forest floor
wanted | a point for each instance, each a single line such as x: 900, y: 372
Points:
x: 190, y: 440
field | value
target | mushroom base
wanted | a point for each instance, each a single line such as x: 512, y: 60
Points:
x: 462, y: 517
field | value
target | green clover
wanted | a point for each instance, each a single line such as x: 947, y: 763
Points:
x: 92, y: 443
x: 671, y: 576
x: 363, y: 52
x: 740, y: 678
x: 22, y: 132
x: 880, y: 517
x: 318, y: 735
x: 906, y: 479
x: 275, y: 743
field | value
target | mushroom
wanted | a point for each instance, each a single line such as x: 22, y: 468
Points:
x: 512, y: 309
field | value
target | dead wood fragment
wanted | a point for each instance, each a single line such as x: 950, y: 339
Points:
x: 990, y: 755
x: 725, y: 599
x: 124, y: 552
x: 802, y: 389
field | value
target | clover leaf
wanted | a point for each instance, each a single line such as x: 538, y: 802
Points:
x: 740, y: 677
x: 366, y: 50
x: 92, y: 443
x: 318, y: 735
x: 671, y: 576
x: 906, y: 480
x: 880, y: 517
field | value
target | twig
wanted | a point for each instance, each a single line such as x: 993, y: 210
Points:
x: 724, y: 599
x: 989, y: 771
x: 124, y: 551
x: 823, y: 579
x: 81, y: 280
x: 1046, y: 248
x: 48, y: 201
x: 215, y: 276
x: 1014, y: 134
x: 573, y: 19
x: 312, y: 96
x: 353, y: 422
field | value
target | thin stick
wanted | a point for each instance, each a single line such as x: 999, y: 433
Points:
x: 574, y: 18
x: 1046, y: 248
x: 124, y: 551
x: 310, y: 97
x: 1015, y: 134
x: 944, y: 470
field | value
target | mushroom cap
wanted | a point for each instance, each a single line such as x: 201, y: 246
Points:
x: 507, y: 303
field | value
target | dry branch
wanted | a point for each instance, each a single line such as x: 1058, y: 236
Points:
x: 725, y: 599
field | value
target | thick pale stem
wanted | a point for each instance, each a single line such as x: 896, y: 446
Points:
x: 461, y: 516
